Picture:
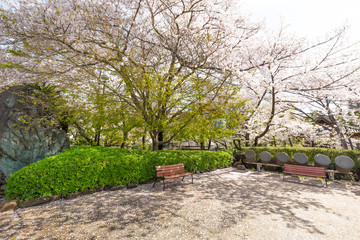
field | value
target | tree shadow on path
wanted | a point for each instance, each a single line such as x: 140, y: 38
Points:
x: 142, y: 211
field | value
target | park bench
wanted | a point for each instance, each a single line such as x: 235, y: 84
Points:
x: 171, y: 171
x: 310, y: 171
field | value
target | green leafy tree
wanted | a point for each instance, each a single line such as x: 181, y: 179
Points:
x: 216, y: 124
x: 167, y: 60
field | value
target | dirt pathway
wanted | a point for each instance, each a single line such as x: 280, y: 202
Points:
x: 223, y: 204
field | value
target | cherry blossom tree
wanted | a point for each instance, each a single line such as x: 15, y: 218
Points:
x: 287, y: 68
x: 335, y: 110
x: 168, y: 60
x: 291, y: 130
x: 171, y: 61
x: 331, y: 89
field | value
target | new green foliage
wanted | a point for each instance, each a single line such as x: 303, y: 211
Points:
x: 83, y: 168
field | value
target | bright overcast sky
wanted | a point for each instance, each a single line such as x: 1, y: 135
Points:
x: 311, y: 18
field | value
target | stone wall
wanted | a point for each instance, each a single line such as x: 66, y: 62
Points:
x: 29, y: 130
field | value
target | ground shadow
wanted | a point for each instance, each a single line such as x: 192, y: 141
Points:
x: 145, y: 207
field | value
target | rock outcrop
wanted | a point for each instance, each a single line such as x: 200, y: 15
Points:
x: 29, y: 130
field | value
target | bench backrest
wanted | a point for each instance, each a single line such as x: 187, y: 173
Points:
x: 169, y: 170
x: 305, y: 170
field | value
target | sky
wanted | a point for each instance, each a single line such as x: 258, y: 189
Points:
x: 310, y: 18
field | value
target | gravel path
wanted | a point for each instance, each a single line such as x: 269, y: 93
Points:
x: 223, y: 204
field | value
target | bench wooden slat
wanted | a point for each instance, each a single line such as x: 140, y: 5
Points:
x: 171, y: 171
x: 309, y: 174
x: 305, y: 171
x: 169, y: 167
x: 178, y: 175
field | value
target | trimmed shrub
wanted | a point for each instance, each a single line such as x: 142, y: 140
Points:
x: 82, y: 168
x: 309, y: 152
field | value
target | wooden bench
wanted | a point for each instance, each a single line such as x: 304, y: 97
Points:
x: 309, y: 171
x: 171, y: 171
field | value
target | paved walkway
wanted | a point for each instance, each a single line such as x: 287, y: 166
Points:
x: 223, y: 204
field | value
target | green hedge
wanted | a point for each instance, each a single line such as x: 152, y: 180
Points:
x: 309, y: 152
x: 83, y: 168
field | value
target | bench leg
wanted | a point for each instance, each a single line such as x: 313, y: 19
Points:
x: 331, y: 174
x: 325, y: 182
x: 258, y: 167
x: 183, y: 178
x: 192, y: 178
x: 164, y: 183
x: 155, y: 182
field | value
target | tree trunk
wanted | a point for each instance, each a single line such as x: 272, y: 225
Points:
x: 98, y: 140
x: 247, y: 139
x: 338, y: 130
x: 125, y: 137
x: 344, y: 144
x: 348, y: 136
x: 155, y: 146
x: 161, y: 139
x: 64, y: 127
x: 157, y: 140
x: 272, y: 114
x: 209, y: 145
x: 97, y: 137
x: 143, y: 141
x: 342, y: 138
x: 237, y: 144
x: 291, y: 144
x: 274, y: 140
x: 202, y: 146
x: 351, y: 144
